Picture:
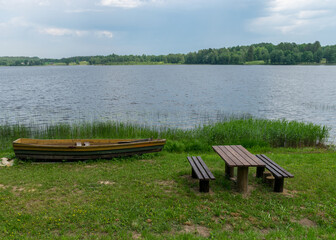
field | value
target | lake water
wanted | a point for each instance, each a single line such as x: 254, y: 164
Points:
x: 170, y: 95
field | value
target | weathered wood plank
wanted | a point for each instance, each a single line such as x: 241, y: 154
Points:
x: 279, y: 167
x: 200, y: 168
x: 209, y: 173
x: 236, y: 154
x: 224, y: 156
x: 242, y: 179
x: 195, y: 168
x: 252, y: 158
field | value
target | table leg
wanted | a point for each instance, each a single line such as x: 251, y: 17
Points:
x: 260, y: 172
x: 242, y: 179
x: 229, y: 171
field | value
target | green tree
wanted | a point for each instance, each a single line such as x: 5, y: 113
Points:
x: 318, y: 55
x: 250, y: 54
x: 265, y: 56
x: 307, y: 57
x: 277, y: 57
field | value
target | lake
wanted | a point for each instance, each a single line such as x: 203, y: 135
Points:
x: 167, y: 95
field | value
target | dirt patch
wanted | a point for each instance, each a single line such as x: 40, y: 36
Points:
x: 52, y: 190
x: 264, y: 231
x: 34, y: 205
x: 106, y: 182
x: 147, y: 161
x: 219, y: 219
x: 2, y: 186
x: 250, y: 189
x: 197, y: 229
x: 188, y: 177
x: 253, y: 220
x: 289, y: 193
x: 90, y: 166
x: 307, y: 223
x: 136, y: 235
x: 167, y: 183
x: 235, y: 215
x: 228, y: 227
x: 168, y: 186
x: 18, y: 189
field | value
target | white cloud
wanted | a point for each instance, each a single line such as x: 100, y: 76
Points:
x: 20, y: 24
x: 107, y: 34
x: 63, y: 32
x: 122, y: 3
x: 80, y: 10
x: 60, y: 32
x: 43, y: 2
x: 295, y: 17
x: 15, y: 22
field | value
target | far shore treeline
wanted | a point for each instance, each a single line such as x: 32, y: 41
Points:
x: 263, y: 53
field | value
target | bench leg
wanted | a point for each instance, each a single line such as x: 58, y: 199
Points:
x: 242, y: 179
x: 193, y: 174
x: 204, y: 186
x: 229, y: 171
x: 260, y: 172
x: 278, y: 184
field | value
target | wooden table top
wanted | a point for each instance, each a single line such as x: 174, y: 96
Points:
x: 237, y: 156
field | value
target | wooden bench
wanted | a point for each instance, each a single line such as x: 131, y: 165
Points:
x: 201, y: 171
x: 278, y: 172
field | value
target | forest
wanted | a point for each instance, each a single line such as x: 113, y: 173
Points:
x: 283, y: 53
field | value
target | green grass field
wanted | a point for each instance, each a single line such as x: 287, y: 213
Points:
x: 154, y: 197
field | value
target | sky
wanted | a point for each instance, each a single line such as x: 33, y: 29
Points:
x: 65, y: 28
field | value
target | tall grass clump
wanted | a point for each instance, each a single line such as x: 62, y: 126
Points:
x: 248, y: 132
x: 260, y: 132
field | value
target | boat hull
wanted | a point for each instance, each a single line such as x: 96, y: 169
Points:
x: 94, y: 148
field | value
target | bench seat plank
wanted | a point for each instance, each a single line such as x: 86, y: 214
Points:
x: 195, y: 168
x: 285, y: 173
x: 210, y: 175
x: 274, y: 167
x: 201, y: 171
x: 278, y: 172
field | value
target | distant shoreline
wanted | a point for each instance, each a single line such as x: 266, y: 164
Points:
x: 256, y: 54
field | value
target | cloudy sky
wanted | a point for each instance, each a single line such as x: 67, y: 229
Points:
x: 64, y: 28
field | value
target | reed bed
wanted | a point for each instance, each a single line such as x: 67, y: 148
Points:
x: 249, y: 132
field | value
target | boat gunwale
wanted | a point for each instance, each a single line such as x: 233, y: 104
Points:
x: 70, y: 143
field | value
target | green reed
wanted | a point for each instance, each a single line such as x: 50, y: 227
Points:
x: 249, y: 132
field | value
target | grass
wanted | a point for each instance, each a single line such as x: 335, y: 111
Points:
x: 248, y: 132
x: 258, y: 62
x: 154, y: 197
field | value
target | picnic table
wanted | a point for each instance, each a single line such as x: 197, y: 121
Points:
x: 238, y: 156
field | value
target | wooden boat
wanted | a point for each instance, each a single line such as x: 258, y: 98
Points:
x: 81, y: 149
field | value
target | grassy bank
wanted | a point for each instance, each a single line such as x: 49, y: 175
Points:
x: 247, y: 132
x: 154, y: 197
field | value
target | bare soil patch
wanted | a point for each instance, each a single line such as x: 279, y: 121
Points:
x: 147, y: 161
x: 167, y: 185
x: 307, y: 222
x: 289, y: 193
x: 106, y: 182
x: 136, y: 235
x: 197, y: 229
